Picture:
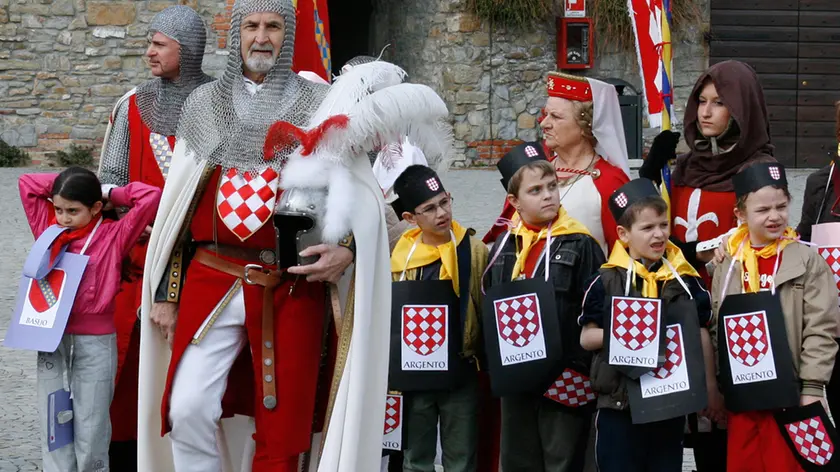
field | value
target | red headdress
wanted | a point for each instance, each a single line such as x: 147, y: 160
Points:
x: 570, y: 87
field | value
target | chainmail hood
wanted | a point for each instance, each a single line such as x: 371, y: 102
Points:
x: 160, y: 100
x: 225, y: 124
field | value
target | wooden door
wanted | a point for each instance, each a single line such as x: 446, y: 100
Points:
x: 794, y: 46
x: 818, y: 85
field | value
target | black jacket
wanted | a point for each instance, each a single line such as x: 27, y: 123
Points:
x: 574, y: 258
x: 816, y: 205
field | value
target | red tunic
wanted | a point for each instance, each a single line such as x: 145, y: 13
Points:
x: 700, y: 215
x: 284, y: 431
x: 142, y: 167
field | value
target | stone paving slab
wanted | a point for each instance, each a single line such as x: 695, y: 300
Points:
x: 478, y: 200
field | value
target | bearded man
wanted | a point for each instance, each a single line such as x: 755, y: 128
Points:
x: 240, y: 328
x: 138, y: 148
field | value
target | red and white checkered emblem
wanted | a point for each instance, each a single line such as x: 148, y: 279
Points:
x: 832, y: 256
x: 518, y: 319
x: 246, y: 202
x: 433, y: 184
x: 530, y: 151
x: 775, y: 173
x: 673, y: 354
x: 393, y: 407
x: 634, y: 322
x: 571, y: 389
x: 424, y: 327
x: 811, y: 440
x: 746, y: 336
x: 44, y: 293
x: 621, y: 200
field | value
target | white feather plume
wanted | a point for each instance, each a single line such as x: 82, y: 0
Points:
x: 411, y: 110
x: 381, y: 109
x: 355, y: 84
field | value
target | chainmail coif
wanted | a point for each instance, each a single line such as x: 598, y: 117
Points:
x: 160, y: 100
x: 225, y: 125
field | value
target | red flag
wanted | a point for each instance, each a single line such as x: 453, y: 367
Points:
x: 312, y: 39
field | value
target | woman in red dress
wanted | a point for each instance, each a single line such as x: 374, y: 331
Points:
x: 584, y: 139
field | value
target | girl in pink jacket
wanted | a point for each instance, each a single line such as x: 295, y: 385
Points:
x: 86, y: 359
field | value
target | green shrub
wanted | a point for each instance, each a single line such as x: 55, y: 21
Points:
x: 11, y: 156
x: 75, y: 156
x: 513, y: 12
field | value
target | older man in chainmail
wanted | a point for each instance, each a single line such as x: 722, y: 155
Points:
x: 218, y: 202
x: 138, y: 148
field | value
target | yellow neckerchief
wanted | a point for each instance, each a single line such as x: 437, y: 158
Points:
x: 425, y: 254
x: 619, y: 258
x: 562, y: 225
x: 749, y: 256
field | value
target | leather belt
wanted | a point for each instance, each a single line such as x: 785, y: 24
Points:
x: 253, y: 274
x: 257, y: 256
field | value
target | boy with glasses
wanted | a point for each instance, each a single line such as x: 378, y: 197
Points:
x: 435, y: 327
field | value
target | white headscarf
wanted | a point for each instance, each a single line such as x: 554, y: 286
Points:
x: 607, y: 126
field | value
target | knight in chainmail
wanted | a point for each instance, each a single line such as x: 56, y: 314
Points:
x: 138, y: 148
x: 141, y: 132
x: 217, y: 208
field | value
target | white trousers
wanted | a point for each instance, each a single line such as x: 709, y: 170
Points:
x: 199, y: 384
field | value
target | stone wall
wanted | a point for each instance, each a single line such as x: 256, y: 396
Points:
x: 64, y: 63
x: 492, y: 78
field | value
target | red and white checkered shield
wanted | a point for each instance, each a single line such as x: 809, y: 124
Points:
x: 635, y: 321
x: 246, y: 202
x: 775, y: 173
x: 44, y: 293
x: 424, y: 327
x: 811, y: 440
x: 518, y: 319
x: 571, y: 389
x: 746, y: 336
x: 674, y: 354
x: 393, y: 408
x: 832, y: 256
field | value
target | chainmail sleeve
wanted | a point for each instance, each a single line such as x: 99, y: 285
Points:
x: 113, y: 169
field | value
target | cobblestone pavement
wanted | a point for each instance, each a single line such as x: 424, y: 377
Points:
x: 19, y: 449
x: 478, y: 199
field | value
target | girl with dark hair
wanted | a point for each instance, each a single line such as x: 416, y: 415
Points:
x: 726, y: 127
x: 86, y: 357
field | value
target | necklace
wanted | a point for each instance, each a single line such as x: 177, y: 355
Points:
x: 577, y: 175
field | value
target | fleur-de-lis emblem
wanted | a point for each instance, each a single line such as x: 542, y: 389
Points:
x: 694, y: 220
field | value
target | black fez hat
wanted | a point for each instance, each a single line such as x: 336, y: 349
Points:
x: 414, y: 186
x: 518, y: 157
x: 630, y: 193
x: 758, y: 176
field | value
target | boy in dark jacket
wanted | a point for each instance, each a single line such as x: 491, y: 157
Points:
x: 638, y: 444
x: 544, y: 425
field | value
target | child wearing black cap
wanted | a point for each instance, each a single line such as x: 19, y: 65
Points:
x: 436, y: 332
x: 641, y: 410
x: 776, y: 305
x: 535, y: 286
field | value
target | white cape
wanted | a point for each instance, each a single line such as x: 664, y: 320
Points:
x: 353, y: 442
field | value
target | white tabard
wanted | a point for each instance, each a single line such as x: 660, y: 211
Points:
x: 583, y: 202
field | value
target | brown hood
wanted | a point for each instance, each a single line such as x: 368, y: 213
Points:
x: 711, y: 163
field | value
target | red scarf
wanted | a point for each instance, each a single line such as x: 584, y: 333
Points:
x: 68, y: 237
